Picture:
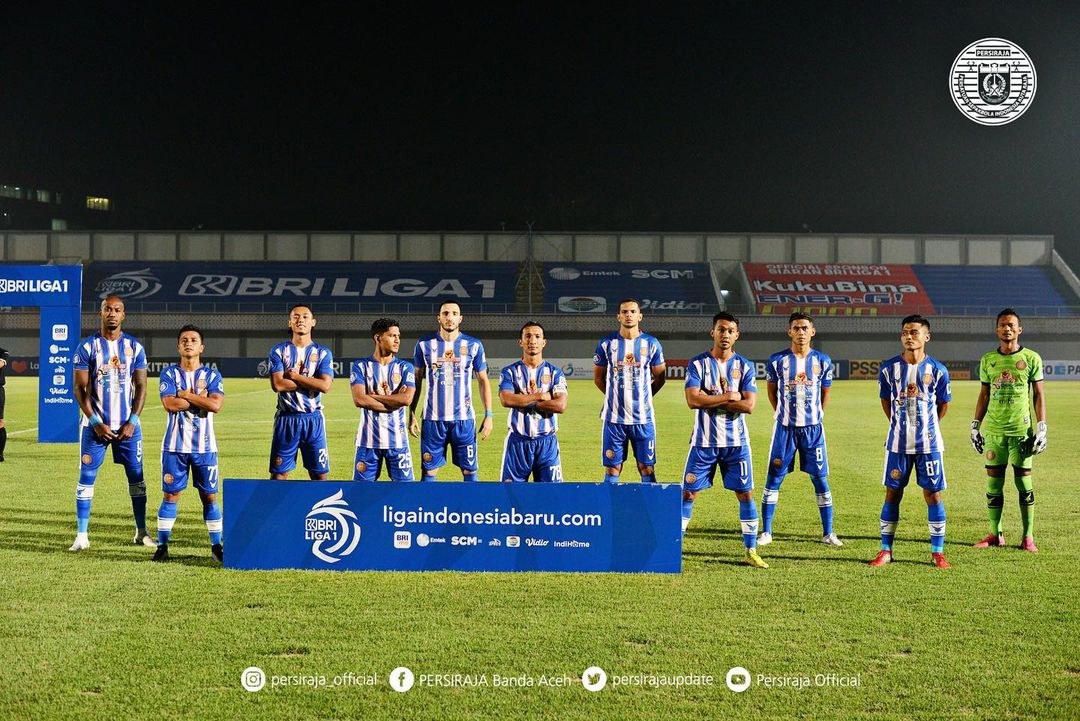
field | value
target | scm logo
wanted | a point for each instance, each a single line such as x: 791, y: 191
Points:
x: 464, y: 541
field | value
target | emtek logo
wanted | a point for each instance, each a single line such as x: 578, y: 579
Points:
x: 464, y: 541
x: 331, y: 522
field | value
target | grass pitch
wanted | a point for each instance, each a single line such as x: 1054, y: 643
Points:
x: 107, y: 634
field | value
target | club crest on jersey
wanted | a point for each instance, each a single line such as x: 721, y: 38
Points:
x: 1021, y: 364
x: 895, y: 474
x: 395, y: 378
x: 313, y: 357
x: 86, y: 459
x: 361, y: 466
x: 167, y: 478
x: 545, y: 377
x: 736, y: 374
x: 201, y: 383
x: 427, y: 458
x: 691, y: 477
x: 277, y: 461
x: 816, y: 369
x: 609, y: 453
x: 927, y: 379
x: 463, y: 348
x: 129, y: 351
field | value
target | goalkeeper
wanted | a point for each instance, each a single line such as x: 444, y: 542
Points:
x: 1012, y: 377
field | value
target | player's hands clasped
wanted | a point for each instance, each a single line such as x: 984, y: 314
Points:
x: 977, y: 440
x: 1040, y: 438
x: 103, y: 432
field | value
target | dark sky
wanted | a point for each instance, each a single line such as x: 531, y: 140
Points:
x: 741, y: 117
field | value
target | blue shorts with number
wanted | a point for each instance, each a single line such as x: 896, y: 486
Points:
x: 809, y: 441
x: 734, y: 463
x: 619, y: 437
x: 929, y: 470
x: 539, y: 457
x: 368, y: 463
x: 435, y: 436
x: 174, y: 471
x: 127, y: 452
x: 305, y: 432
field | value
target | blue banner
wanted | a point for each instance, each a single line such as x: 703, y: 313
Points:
x: 56, y: 290
x: 335, y: 525
x: 660, y: 287
x: 220, y: 285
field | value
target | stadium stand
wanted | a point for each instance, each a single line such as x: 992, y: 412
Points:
x: 1034, y: 290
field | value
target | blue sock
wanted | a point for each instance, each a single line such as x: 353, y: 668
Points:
x: 769, y: 498
x: 687, y: 509
x: 935, y: 516
x: 84, y: 495
x: 748, y: 518
x: 211, y: 513
x: 166, y: 517
x: 608, y: 478
x: 137, y: 490
x: 890, y: 515
x: 824, y: 502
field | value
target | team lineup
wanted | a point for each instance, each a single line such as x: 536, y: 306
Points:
x: 629, y: 369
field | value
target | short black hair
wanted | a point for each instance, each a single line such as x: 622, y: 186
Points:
x: 724, y: 315
x: 382, y: 325
x: 190, y: 327
x: 449, y: 302
x: 915, y: 318
x: 302, y: 305
x: 798, y: 316
x: 1008, y: 311
x: 532, y: 324
x: 635, y: 301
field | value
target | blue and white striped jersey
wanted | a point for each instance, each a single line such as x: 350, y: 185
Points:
x: 111, y: 364
x: 312, y: 360
x: 520, y: 378
x: 798, y: 386
x: 190, y: 431
x: 715, y: 428
x: 448, y: 367
x: 914, y: 390
x: 382, y: 430
x: 629, y: 363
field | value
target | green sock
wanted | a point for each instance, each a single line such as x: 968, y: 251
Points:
x: 1027, y: 504
x: 995, y: 502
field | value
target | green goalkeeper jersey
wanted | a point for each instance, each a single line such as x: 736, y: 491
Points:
x: 1010, y: 377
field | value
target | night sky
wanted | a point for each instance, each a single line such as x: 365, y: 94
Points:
x: 722, y: 118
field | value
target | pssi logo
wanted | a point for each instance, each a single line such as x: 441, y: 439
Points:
x: 332, y: 528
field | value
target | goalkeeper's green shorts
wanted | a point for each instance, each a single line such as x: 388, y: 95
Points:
x: 1016, y: 451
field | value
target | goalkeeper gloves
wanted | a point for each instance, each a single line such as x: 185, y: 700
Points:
x: 977, y: 440
x: 1039, y: 444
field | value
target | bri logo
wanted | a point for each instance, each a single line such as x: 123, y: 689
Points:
x: 330, y: 523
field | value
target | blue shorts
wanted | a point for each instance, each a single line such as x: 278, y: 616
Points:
x: 127, y: 453
x: 303, y: 431
x: 174, y: 471
x: 929, y: 470
x: 618, y: 438
x: 809, y: 441
x: 459, y: 435
x: 368, y: 463
x: 735, y: 468
x: 538, y: 457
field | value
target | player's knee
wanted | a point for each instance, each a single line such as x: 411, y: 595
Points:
x: 171, y: 497
x: 645, y: 470
x: 613, y: 470
x: 690, y: 495
x: 745, y: 495
x: 1, y: 422
x: 995, y: 500
x: 995, y: 471
x: 1021, y: 472
x: 1027, y: 498
x: 932, y: 497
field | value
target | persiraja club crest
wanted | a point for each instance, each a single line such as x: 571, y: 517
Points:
x: 992, y: 81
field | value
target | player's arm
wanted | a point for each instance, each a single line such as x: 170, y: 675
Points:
x: 942, y: 409
x: 361, y: 399
x: 398, y: 399
x: 320, y: 383
x: 739, y: 402
x: 280, y: 384
x: 773, y: 400
x: 599, y: 376
x: 414, y: 420
x: 555, y: 404
x: 509, y: 399
x: 174, y: 403
x: 697, y: 399
x: 138, y: 377
x: 211, y: 402
x: 485, y: 398
x: 886, y: 406
x: 1040, y: 401
x: 825, y: 391
x: 659, y: 377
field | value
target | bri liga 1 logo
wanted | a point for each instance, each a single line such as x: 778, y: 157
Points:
x: 992, y: 81
x: 332, y: 528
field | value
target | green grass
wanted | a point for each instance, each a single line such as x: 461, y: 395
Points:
x: 107, y: 634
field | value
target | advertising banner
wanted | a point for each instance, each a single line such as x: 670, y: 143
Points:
x: 661, y: 288
x: 833, y: 289
x: 56, y: 290
x: 397, y: 285
x: 335, y: 525
x: 1061, y: 370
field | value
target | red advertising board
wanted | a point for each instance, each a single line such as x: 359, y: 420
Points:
x: 836, y: 289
